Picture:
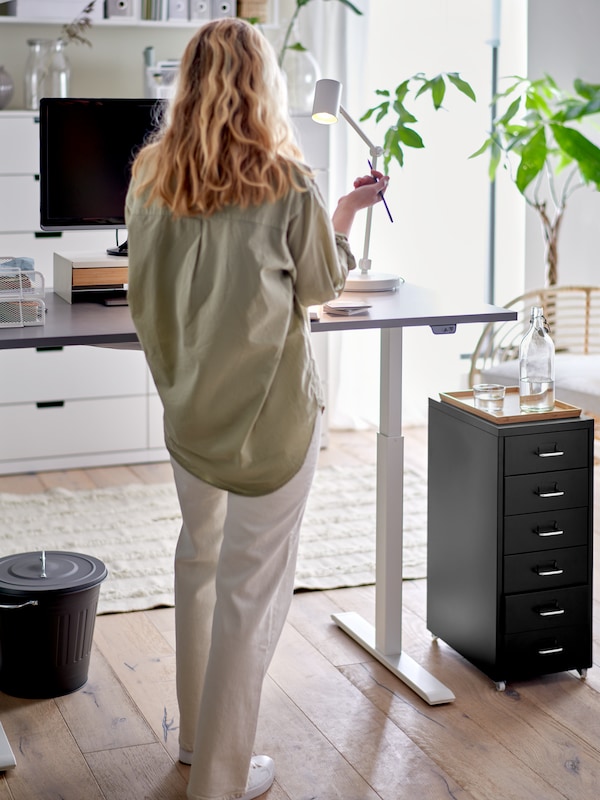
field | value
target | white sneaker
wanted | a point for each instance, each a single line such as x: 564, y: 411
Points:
x: 185, y: 756
x: 260, y: 777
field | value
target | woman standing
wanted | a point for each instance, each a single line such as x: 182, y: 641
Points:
x: 229, y: 242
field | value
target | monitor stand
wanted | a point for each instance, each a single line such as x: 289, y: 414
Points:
x: 120, y: 250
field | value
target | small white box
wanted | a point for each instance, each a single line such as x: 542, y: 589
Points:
x: 59, y: 10
x: 83, y: 275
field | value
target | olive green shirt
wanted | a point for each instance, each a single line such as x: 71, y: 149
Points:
x: 220, y: 307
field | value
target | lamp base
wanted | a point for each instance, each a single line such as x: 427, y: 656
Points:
x: 372, y: 282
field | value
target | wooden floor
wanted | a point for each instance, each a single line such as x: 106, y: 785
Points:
x: 338, y: 724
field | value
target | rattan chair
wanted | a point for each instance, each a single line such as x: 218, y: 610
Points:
x: 573, y: 316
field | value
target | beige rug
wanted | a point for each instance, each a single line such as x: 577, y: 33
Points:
x: 133, y: 530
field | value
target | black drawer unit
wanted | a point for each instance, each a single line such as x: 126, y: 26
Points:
x: 509, y: 554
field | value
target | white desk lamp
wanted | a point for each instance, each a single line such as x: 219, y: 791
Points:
x: 326, y: 107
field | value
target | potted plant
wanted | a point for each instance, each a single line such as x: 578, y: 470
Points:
x: 538, y: 140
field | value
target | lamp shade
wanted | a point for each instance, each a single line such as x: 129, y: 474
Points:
x: 326, y: 105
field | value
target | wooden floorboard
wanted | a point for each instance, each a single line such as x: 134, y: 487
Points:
x: 339, y: 725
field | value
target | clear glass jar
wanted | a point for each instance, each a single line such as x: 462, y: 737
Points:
x: 536, y: 365
x: 59, y: 71
x: 36, y: 72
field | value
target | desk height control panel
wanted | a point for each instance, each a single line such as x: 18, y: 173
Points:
x: 509, y: 575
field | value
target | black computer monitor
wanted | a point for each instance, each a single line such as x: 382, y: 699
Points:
x: 87, y: 146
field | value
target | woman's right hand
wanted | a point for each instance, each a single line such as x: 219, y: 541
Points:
x: 368, y: 190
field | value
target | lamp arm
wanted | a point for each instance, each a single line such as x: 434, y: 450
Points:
x: 375, y: 150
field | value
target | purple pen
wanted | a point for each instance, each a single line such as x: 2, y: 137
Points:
x: 382, y: 197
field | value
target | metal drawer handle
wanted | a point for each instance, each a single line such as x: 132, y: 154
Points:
x: 551, y: 612
x: 548, y: 651
x: 550, y: 532
x: 22, y: 605
x: 551, y: 455
x: 553, y: 570
x: 555, y: 493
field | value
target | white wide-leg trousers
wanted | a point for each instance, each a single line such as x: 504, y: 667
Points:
x: 234, y: 578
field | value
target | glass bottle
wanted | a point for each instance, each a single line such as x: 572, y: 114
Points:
x: 536, y: 365
x: 36, y: 70
x: 59, y: 71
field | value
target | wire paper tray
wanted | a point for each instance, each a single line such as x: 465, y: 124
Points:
x: 21, y: 298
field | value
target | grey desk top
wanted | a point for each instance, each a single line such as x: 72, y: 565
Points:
x: 96, y: 324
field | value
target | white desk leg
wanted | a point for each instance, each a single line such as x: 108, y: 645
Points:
x: 384, y: 640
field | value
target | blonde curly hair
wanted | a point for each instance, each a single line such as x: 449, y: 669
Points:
x: 227, y: 138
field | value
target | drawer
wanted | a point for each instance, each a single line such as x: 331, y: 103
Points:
x: 537, y: 611
x: 19, y: 204
x: 547, y: 491
x: 20, y: 151
x: 544, y: 652
x: 34, y: 375
x: 73, y: 428
x: 550, y: 569
x: 545, y: 452
x: 527, y: 533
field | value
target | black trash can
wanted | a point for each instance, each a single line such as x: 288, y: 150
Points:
x: 48, y: 602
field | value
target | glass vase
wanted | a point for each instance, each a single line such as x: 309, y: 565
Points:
x: 302, y: 72
x: 59, y: 71
x: 36, y: 72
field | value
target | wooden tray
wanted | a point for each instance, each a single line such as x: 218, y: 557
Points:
x: 510, y: 411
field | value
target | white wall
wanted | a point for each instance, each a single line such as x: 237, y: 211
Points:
x: 563, y: 41
x: 439, y: 200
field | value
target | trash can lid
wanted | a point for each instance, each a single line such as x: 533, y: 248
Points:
x: 50, y: 571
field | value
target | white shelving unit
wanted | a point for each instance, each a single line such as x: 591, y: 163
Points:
x: 133, y: 19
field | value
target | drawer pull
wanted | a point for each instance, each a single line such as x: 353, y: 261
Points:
x: 549, y: 532
x: 554, y: 493
x: 551, y: 612
x: 553, y: 570
x: 51, y: 404
x: 552, y: 454
x: 549, y: 651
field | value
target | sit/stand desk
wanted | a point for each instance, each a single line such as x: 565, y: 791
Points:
x: 409, y: 306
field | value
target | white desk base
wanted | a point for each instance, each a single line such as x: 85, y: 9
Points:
x: 402, y: 665
x: 384, y: 641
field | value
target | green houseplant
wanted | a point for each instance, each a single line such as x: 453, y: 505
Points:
x: 537, y: 139
x: 401, y: 133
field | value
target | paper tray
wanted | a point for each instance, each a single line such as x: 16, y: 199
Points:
x: 510, y: 411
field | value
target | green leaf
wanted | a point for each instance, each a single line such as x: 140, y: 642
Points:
x: 462, y: 85
x: 533, y: 158
x: 392, y: 149
x: 404, y: 114
x: 298, y: 47
x: 581, y: 150
x: 587, y: 90
x: 436, y: 86
x: 487, y: 144
x: 438, y: 90
x: 352, y: 7
x: 409, y: 137
x: 402, y: 91
x: 509, y: 113
x: 495, y: 156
